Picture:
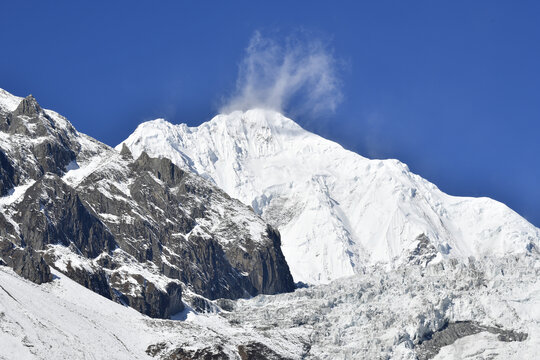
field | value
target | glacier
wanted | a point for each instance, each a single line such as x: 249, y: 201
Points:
x: 376, y: 315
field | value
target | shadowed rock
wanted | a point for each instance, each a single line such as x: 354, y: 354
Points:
x: 8, y: 175
x: 51, y: 212
x: 208, y: 353
x: 25, y: 262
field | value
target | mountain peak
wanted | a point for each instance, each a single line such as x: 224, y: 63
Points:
x: 125, y: 152
x: 253, y: 119
x: 29, y: 107
x: 257, y: 117
x: 337, y: 211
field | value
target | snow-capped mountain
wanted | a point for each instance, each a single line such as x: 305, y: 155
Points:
x: 77, y: 215
x: 336, y: 210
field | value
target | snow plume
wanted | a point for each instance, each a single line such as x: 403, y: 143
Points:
x: 294, y: 72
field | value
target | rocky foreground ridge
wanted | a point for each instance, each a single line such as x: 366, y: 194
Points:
x: 139, y: 231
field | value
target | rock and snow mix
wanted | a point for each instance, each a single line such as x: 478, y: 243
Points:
x: 402, y: 270
x: 132, y: 229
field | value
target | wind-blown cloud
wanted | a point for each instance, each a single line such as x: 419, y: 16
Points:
x: 294, y: 72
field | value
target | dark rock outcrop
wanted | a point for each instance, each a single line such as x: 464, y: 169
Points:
x: 51, y: 212
x: 26, y: 262
x: 148, y: 298
x: 432, y: 343
x: 95, y: 280
x: 28, y: 107
x: 30, y: 265
x: 268, y: 272
x: 250, y: 351
x: 256, y: 351
x: 52, y: 147
x: 208, y: 353
x: 8, y: 175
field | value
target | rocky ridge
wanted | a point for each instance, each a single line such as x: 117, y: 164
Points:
x: 140, y: 231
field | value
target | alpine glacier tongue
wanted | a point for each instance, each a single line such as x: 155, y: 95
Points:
x: 336, y: 210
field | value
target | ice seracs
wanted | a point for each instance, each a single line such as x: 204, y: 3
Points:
x: 336, y: 210
x: 451, y: 310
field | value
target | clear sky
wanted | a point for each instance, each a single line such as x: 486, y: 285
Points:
x: 452, y: 88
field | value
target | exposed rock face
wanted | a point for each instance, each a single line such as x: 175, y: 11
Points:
x: 26, y: 262
x: 424, y: 251
x: 199, y: 354
x: 133, y: 230
x: 150, y: 300
x: 96, y: 280
x: 255, y: 350
x: 51, y: 212
x: 263, y: 268
x: 428, y: 348
x: 28, y: 107
x: 53, y: 146
x: 8, y: 176
x: 250, y: 351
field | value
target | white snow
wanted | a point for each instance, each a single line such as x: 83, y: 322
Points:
x: 15, y: 195
x: 9, y: 102
x: 336, y: 210
x: 111, y: 218
x: 64, y: 320
x: 65, y: 256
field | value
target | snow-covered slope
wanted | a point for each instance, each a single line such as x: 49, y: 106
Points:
x: 64, y: 320
x: 336, y: 210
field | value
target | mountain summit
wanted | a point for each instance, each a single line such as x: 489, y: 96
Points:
x: 336, y: 210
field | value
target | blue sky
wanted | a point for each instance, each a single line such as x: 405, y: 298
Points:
x: 452, y: 88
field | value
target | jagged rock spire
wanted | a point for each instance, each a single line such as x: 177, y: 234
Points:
x: 28, y: 106
x: 126, y: 153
